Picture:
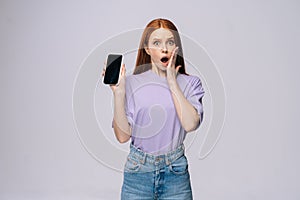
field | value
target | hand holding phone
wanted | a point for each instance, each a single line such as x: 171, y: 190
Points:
x: 113, y: 69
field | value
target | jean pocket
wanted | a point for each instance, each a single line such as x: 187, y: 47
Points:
x: 179, y: 166
x: 132, y: 164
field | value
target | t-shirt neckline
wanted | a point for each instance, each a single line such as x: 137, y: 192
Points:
x: 156, y: 75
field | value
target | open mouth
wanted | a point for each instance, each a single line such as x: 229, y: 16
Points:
x: 164, y: 59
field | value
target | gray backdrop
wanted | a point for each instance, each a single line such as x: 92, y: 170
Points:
x: 254, y: 44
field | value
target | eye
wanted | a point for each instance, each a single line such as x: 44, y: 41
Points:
x: 171, y: 42
x: 156, y: 43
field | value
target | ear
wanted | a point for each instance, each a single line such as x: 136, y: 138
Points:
x: 147, y: 50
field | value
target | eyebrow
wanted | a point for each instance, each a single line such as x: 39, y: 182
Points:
x: 155, y: 38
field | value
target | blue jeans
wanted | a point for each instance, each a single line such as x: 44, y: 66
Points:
x: 162, y: 177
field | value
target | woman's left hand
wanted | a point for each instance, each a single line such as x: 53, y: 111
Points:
x: 172, y: 70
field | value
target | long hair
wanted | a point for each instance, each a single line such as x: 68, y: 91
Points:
x: 143, y: 60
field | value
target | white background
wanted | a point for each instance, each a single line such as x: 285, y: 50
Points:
x: 255, y: 45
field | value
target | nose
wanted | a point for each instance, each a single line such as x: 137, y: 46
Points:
x: 164, y: 49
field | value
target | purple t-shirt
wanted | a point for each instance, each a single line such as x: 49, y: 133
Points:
x: 151, y: 112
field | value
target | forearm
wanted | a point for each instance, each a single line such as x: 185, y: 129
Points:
x: 122, y: 128
x: 186, y: 112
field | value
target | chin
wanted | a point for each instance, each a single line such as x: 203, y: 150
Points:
x: 163, y: 68
x: 160, y: 66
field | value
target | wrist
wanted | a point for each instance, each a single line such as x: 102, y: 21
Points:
x: 173, y: 84
x: 119, y: 94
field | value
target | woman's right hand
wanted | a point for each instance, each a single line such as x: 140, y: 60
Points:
x: 120, y: 88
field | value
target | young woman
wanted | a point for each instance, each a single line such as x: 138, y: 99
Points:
x: 155, y: 107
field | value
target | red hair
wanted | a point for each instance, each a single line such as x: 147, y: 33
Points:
x: 143, y: 61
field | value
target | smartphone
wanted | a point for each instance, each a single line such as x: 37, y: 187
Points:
x: 113, y: 69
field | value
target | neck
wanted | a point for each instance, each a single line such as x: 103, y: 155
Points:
x: 158, y: 71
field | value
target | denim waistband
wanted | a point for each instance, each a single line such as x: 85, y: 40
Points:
x: 166, y: 158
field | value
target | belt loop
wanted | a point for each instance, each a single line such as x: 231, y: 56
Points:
x: 143, y: 159
x: 167, y: 159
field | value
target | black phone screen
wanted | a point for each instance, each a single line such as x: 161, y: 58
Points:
x: 113, y: 68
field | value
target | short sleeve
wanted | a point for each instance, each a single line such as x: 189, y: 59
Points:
x: 195, y: 95
x: 129, y: 106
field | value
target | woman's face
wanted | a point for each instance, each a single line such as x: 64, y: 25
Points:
x: 160, y: 46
